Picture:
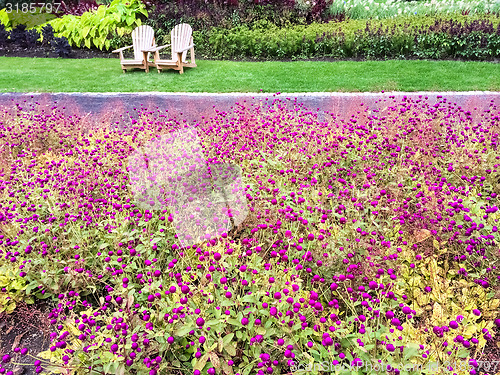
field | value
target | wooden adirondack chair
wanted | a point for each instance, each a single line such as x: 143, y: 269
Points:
x: 181, y: 41
x: 142, y: 39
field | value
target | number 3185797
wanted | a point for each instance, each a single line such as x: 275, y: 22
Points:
x: 32, y: 7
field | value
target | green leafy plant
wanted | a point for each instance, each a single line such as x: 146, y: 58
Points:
x: 98, y: 28
x: 12, y: 288
x: 474, y: 37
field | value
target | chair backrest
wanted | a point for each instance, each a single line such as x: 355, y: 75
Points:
x: 142, y: 38
x: 180, y: 37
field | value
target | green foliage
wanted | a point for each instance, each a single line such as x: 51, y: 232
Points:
x: 377, y: 9
x: 12, y: 288
x: 404, y: 37
x: 5, y: 19
x: 103, y: 27
x: 116, y: 270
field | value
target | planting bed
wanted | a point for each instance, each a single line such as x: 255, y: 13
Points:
x: 339, y: 240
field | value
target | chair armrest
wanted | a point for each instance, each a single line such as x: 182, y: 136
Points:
x: 185, y: 49
x: 121, y: 49
x: 154, y: 49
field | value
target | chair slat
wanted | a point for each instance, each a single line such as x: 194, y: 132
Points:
x: 181, y: 37
x: 142, y: 38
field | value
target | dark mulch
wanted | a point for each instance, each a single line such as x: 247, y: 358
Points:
x: 27, y: 327
x: 14, y: 50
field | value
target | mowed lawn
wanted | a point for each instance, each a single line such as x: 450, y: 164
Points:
x: 105, y: 75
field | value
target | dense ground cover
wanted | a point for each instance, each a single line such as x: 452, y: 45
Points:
x: 104, y: 75
x: 356, y: 9
x: 467, y: 37
x: 373, y: 238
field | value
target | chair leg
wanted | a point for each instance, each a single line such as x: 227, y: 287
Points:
x: 179, y: 61
x: 124, y: 70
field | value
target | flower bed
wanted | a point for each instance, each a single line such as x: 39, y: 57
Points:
x: 475, y: 37
x: 370, y: 239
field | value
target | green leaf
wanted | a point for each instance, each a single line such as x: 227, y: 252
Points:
x: 260, y: 330
x: 121, y: 369
x: 227, y: 339
x: 212, y: 323
x: 130, y: 20
x: 183, y: 330
x: 249, y: 298
x: 410, y: 351
x: 201, y: 362
x: 231, y: 349
x: 247, y: 370
x: 234, y: 322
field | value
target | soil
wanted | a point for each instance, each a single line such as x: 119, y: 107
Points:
x: 14, y: 50
x: 27, y: 327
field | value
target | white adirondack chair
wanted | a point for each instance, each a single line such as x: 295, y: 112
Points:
x: 142, y: 39
x: 181, y: 41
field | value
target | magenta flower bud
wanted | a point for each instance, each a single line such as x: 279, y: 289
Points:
x: 244, y: 321
x: 200, y: 321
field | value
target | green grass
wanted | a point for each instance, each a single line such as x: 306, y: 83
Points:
x: 105, y: 75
